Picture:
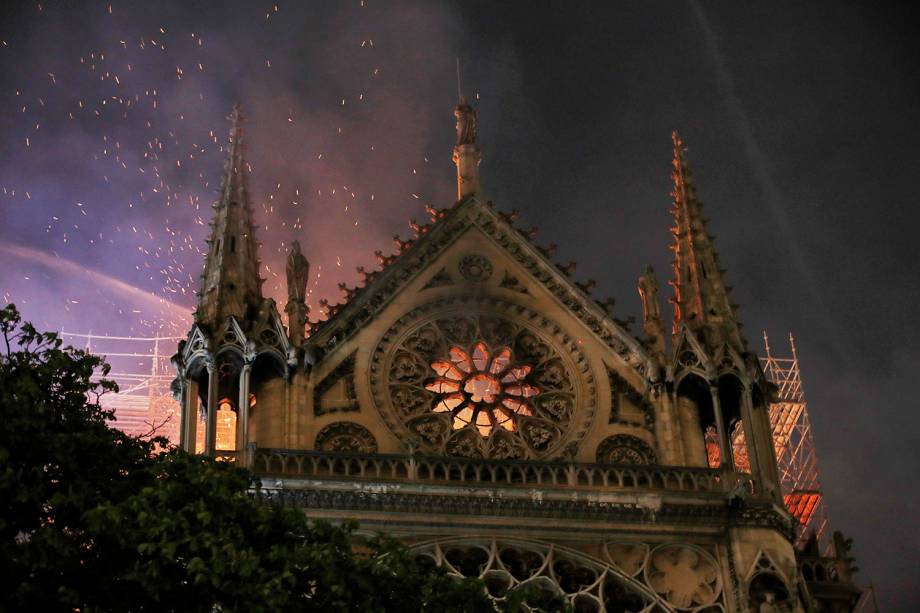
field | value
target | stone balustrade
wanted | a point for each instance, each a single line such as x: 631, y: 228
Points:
x: 283, y: 463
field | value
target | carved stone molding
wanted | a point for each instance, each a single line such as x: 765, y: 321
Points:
x: 346, y: 437
x: 458, y: 506
x: 475, y: 268
x: 440, y: 279
x: 625, y: 449
x: 684, y: 575
x: 343, y: 372
x: 543, y: 571
x: 511, y: 282
x: 620, y: 386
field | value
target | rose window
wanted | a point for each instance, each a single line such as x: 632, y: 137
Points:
x: 482, y: 389
x: 478, y: 384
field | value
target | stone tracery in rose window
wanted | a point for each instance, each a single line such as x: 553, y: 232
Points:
x: 482, y: 388
x: 481, y: 385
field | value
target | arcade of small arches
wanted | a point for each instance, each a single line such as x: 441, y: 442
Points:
x: 626, y: 575
x: 229, y: 385
x: 630, y: 576
x: 475, y: 383
x: 715, y: 414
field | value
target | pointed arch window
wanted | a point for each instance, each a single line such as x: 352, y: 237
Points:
x: 226, y: 426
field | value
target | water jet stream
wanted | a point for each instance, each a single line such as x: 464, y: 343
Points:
x: 66, y: 266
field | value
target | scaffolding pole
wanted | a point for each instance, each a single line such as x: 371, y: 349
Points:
x: 144, y: 401
x: 795, y: 447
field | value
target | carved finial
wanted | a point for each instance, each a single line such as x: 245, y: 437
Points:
x: 400, y: 244
x: 434, y: 212
x: 466, y: 123
x: 417, y: 228
x: 466, y: 152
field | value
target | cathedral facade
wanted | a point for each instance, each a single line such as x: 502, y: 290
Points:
x: 473, y: 400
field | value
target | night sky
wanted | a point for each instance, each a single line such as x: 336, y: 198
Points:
x: 801, y: 120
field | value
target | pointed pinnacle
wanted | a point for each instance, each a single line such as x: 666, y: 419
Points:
x: 435, y: 213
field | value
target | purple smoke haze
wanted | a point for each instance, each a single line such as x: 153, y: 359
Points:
x: 800, y: 119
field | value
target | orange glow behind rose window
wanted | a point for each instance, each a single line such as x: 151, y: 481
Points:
x: 480, y: 388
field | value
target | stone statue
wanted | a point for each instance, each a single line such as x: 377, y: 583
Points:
x: 651, y: 312
x: 466, y: 123
x: 298, y: 269
x: 769, y: 604
x: 648, y: 292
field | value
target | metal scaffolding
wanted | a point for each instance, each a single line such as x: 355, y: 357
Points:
x: 141, y: 368
x: 795, y: 448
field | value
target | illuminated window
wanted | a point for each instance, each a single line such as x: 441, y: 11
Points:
x: 482, y: 388
x: 226, y: 426
x: 713, y: 448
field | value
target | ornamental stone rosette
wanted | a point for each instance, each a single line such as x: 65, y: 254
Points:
x: 482, y: 379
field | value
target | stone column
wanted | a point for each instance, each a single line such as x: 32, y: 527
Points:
x: 242, y: 417
x: 189, y: 415
x: 297, y: 320
x: 467, y: 158
x: 750, y: 439
x: 760, y: 444
x: 691, y: 434
x: 725, y: 448
x: 210, y: 436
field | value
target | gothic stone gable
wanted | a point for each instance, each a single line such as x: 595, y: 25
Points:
x: 479, y: 367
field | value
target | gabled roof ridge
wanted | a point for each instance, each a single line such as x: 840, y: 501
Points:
x: 595, y: 314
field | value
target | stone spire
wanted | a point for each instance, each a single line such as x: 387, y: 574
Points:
x: 701, y: 300
x: 231, y: 284
x: 466, y: 152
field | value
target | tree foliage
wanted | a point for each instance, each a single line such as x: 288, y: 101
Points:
x: 94, y: 520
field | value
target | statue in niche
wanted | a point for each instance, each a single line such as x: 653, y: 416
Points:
x: 298, y: 269
x: 466, y: 123
x: 771, y: 605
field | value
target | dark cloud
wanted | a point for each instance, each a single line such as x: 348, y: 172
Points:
x: 800, y: 117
